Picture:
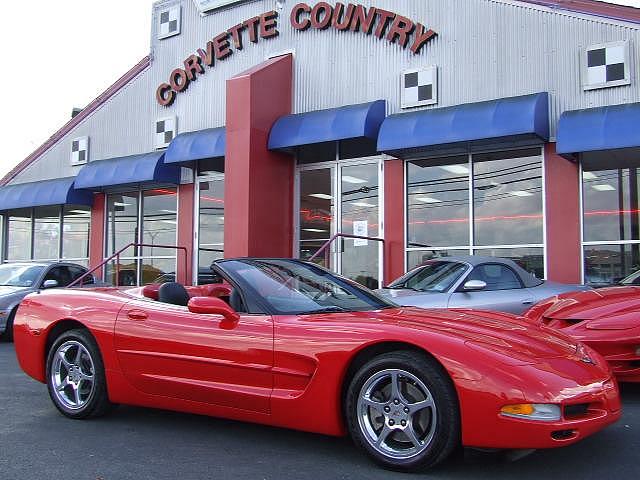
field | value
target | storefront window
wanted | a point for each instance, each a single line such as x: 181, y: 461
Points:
x: 46, y: 233
x: 500, y: 192
x: 316, y: 210
x: 19, y: 234
x: 211, y: 225
x: 76, y: 223
x: 610, y: 214
x: 122, y: 222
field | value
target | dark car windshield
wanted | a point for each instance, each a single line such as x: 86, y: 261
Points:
x: 633, y: 279
x: 288, y: 287
x: 433, y: 276
x: 19, y: 275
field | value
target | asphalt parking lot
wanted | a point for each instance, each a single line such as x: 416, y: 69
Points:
x: 36, y: 442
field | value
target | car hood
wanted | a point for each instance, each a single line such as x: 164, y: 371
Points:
x: 611, y: 305
x: 5, y: 291
x: 511, y: 336
x: 403, y: 293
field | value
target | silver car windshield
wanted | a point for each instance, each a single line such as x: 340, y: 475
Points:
x: 434, y: 276
x: 19, y: 275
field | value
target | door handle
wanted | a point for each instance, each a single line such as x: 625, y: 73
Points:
x: 137, y: 315
x: 528, y: 301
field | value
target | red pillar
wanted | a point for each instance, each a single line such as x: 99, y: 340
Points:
x: 258, y: 182
x: 562, y: 187
x: 394, y: 205
x: 96, y: 232
x: 186, y: 205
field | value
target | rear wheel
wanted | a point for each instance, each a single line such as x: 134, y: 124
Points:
x: 403, y: 411
x: 75, y: 376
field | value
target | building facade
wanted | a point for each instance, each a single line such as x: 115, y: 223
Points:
x: 423, y: 127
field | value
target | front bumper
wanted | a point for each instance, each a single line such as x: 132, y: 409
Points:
x: 583, y: 415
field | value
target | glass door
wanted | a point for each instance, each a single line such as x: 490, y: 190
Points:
x: 342, y: 197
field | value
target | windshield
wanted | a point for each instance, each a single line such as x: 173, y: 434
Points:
x: 19, y: 275
x: 434, y: 276
x: 633, y: 279
x: 288, y: 287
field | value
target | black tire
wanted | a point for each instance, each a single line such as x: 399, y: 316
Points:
x: 435, y: 430
x: 88, y: 404
x: 7, y: 336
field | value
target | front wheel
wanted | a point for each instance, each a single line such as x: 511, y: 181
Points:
x: 75, y: 376
x: 402, y: 409
x: 7, y: 336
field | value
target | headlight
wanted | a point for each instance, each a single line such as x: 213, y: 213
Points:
x: 532, y: 411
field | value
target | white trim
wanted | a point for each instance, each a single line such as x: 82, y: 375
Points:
x: 581, y: 221
x: 612, y: 242
x: 545, y: 258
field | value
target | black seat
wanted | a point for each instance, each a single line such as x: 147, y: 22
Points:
x: 173, y: 293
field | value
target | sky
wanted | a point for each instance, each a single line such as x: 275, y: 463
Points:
x: 56, y: 55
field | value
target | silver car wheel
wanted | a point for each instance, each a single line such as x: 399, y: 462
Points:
x: 72, y: 375
x: 396, y: 414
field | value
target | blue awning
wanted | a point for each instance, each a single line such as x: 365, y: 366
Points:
x: 190, y: 146
x: 514, y: 121
x: 135, y: 170
x: 47, y: 192
x: 351, y: 121
x: 599, y: 130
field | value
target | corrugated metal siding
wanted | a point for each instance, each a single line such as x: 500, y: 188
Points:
x: 485, y: 49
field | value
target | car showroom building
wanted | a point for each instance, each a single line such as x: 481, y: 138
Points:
x: 265, y: 127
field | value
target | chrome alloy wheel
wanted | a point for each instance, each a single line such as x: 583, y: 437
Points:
x: 397, y: 413
x: 72, y: 375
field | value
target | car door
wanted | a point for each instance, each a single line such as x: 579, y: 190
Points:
x: 504, y: 291
x: 166, y: 350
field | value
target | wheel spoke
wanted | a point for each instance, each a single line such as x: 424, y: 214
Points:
x: 411, y: 435
x: 384, y: 433
x: 63, y: 384
x: 63, y: 359
x: 76, y: 394
x: 78, y: 355
x: 396, y: 388
x: 373, y: 404
x: 416, y: 407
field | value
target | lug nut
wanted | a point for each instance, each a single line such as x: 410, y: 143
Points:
x: 396, y: 401
x: 406, y: 409
x: 387, y: 409
x: 392, y: 423
x: 403, y: 423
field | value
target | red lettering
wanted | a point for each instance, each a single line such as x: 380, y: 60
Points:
x: 346, y: 18
x: 401, y: 28
x: 193, y: 65
x: 385, y: 16
x: 422, y: 36
x: 236, y: 35
x: 269, y: 25
x: 179, y: 80
x: 221, y: 46
x: 321, y: 16
x: 207, y: 57
x: 295, y: 17
x: 252, y: 26
x: 165, y: 95
x: 363, y: 20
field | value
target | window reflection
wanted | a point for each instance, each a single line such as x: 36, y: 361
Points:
x: 316, y: 210
x: 211, y: 231
x: 159, y: 221
x: 46, y: 233
x: 75, y: 236
x: 122, y: 221
x: 609, y: 264
x: 19, y: 234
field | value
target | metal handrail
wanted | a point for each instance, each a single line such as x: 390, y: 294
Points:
x: 325, y: 247
x: 117, y: 256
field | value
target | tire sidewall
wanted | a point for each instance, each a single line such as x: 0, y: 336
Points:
x: 446, y: 435
x: 99, y: 381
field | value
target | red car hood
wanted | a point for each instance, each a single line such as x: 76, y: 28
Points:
x: 503, y: 333
x: 611, y: 305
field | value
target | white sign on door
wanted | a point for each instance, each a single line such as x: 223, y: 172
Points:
x: 361, y: 229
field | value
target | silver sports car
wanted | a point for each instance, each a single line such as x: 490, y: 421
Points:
x: 486, y: 283
x: 19, y: 279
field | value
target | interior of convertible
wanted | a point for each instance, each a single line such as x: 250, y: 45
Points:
x: 177, y: 294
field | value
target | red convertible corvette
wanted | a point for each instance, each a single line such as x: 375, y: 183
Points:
x: 606, y: 319
x: 286, y: 343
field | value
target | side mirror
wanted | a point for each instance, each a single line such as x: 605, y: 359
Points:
x: 49, y: 284
x: 213, y: 306
x: 474, y: 286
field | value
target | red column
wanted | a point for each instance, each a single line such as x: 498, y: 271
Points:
x: 96, y: 232
x: 394, y: 205
x: 562, y: 190
x: 186, y: 205
x: 258, y: 182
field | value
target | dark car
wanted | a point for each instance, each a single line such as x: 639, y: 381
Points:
x: 21, y: 278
